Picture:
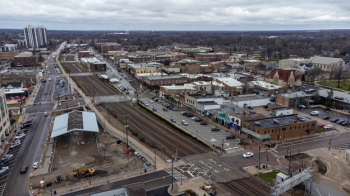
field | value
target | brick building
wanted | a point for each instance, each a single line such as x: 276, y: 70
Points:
x: 278, y: 128
x: 26, y: 59
x: 283, y: 78
x: 197, y: 77
x: 188, y: 66
x: 153, y: 82
x: 211, y: 57
x: 98, y: 66
x: 106, y: 47
x: 294, y: 99
x: 8, y: 55
x: 86, y: 53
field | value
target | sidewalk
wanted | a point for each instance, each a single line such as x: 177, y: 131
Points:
x: 45, y: 161
x: 192, y: 184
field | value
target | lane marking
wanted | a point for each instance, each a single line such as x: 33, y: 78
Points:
x: 318, y: 192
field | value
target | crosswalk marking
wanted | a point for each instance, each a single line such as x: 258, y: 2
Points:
x: 275, y: 155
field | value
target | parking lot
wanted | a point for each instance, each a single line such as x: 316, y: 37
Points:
x: 60, y: 90
x: 322, y: 113
x: 204, y: 131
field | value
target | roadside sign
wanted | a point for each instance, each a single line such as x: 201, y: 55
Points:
x: 144, y: 165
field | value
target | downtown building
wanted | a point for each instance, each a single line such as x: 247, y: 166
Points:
x: 35, y: 37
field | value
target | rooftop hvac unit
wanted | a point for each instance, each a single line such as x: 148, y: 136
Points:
x: 275, y: 121
x: 258, y: 123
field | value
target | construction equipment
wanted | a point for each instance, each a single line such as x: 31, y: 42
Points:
x: 58, y: 179
x: 205, y: 186
x: 128, y: 150
x: 80, y: 172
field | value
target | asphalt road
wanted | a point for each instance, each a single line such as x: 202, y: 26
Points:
x: 31, y: 147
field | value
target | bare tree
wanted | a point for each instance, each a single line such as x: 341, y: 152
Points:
x: 314, y: 73
x: 339, y: 73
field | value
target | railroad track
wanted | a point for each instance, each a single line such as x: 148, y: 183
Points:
x: 94, y: 86
x: 75, y: 68
x: 247, y: 187
x: 69, y: 58
x: 168, y: 138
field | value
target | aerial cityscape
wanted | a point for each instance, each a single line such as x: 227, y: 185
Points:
x: 153, y: 98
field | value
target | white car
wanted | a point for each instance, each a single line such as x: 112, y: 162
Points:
x: 8, y: 156
x: 184, y: 122
x: 146, y: 104
x: 314, y: 113
x: 328, y: 127
x: 16, y: 141
x: 35, y: 165
x: 193, y: 118
x: 14, y: 145
x: 248, y: 154
x: 3, y: 169
x: 150, y: 101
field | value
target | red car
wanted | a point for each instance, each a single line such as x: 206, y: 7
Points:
x: 325, y: 117
x: 28, y: 121
x: 204, y: 123
x: 321, y: 125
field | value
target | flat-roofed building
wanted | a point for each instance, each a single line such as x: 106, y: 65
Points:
x: 26, y: 59
x: 266, y: 89
x: 8, y: 55
x: 171, y: 90
x: 153, y: 82
x: 278, y: 128
x: 212, y: 57
x: 291, y: 63
x: 250, y: 100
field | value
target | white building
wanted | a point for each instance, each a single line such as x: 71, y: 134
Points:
x: 291, y: 63
x: 203, y: 86
x: 8, y: 47
x: 281, y: 111
x: 251, y: 100
x: 4, y: 118
x: 35, y: 36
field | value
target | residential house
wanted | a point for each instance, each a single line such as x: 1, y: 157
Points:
x: 283, y: 78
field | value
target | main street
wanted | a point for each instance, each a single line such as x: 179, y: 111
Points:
x: 32, y: 144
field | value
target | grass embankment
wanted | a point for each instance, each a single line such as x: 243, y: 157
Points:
x: 334, y: 84
x: 108, y: 86
x: 167, y: 122
x: 84, y: 66
x: 60, y: 59
x: 16, y: 117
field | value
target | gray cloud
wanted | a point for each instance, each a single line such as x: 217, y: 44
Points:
x: 175, y: 14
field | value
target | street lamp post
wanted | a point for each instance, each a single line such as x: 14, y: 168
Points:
x: 197, y: 134
x: 104, y: 154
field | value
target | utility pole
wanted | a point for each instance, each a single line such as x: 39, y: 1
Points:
x: 259, y: 158
x: 196, y: 134
x: 172, y: 174
x: 222, y: 146
x: 126, y: 130
x: 267, y: 159
x: 290, y: 154
x: 155, y: 158
x: 330, y: 141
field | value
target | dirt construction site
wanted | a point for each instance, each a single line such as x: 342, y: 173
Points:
x: 80, y: 150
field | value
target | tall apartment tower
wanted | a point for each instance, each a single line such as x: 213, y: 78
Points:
x: 35, y: 37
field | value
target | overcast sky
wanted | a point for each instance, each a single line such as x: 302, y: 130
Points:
x: 176, y: 14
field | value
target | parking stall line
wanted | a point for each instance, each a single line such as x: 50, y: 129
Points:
x: 4, y: 180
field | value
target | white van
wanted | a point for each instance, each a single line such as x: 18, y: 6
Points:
x: 314, y: 113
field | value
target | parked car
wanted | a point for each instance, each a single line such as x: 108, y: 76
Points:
x: 35, y: 165
x: 16, y: 141
x: 230, y: 137
x: 301, y: 106
x: 23, y: 131
x: 340, y: 121
x: 204, y: 123
x: 8, y: 160
x: 176, y: 109
x: 3, y: 169
x: 344, y: 123
x: 24, y: 169
x: 326, y: 109
x: 164, y: 103
x: 314, y: 113
x: 173, y: 120
x: 193, y: 118
x: 26, y: 125
x: 321, y: 125
x: 156, y: 99
x: 170, y: 108
x: 215, y: 129
x: 197, y: 119
x: 8, y: 156
x: 248, y: 154
x: 19, y: 137
x: 146, y: 104
x: 160, y: 101
x: 325, y: 117
x: 165, y: 109
x: 334, y: 119
x: 183, y: 113
x: 43, y: 81
x: 150, y: 101
x: 328, y: 127
x: 189, y: 115
x: 184, y: 122
x: 272, y: 99
x: 14, y: 145
x: 28, y: 121
x: 154, y: 109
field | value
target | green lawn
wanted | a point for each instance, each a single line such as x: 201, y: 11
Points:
x: 16, y: 117
x: 334, y: 83
x: 269, y: 177
x: 84, y: 66
x: 61, y: 58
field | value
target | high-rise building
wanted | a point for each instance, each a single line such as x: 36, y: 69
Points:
x: 35, y: 37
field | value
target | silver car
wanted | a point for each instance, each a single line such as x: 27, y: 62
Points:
x: 3, y: 169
